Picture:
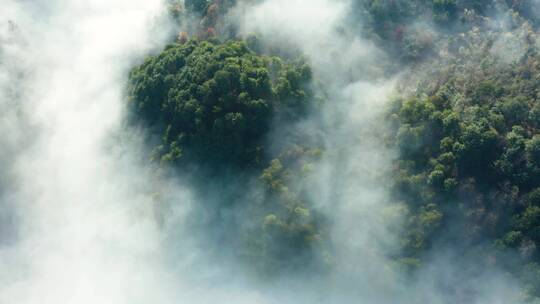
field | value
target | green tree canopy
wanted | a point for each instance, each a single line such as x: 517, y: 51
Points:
x: 215, y: 102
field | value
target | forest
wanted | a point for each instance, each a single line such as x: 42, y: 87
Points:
x: 465, y: 121
x: 270, y: 151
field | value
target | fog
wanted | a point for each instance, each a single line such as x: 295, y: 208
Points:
x: 79, y: 221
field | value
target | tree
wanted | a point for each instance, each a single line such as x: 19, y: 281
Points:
x: 532, y: 148
x: 196, y: 6
x: 515, y: 110
x: 211, y: 105
x: 215, y: 102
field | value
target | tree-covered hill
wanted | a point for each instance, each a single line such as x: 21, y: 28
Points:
x: 411, y: 30
x: 469, y: 142
x: 465, y: 124
x: 209, y: 106
x: 215, y: 102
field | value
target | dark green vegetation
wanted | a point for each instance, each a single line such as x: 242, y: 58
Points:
x: 411, y: 29
x: 466, y: 126
x: 211, y: 105
x: 204, y: 18
x: 215, y: 102
x: 469, y: 138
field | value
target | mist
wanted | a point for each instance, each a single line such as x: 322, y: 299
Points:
x: 85, y: 218
x: 75, y: 229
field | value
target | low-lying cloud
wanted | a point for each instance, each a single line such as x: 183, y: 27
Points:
x: 79, y: 222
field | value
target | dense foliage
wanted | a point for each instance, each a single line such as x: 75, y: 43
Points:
x: 469, y: 169
x: 215, y: 102
x: 211, y: 106
x: 411, y: 30
x: 466, y: 124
